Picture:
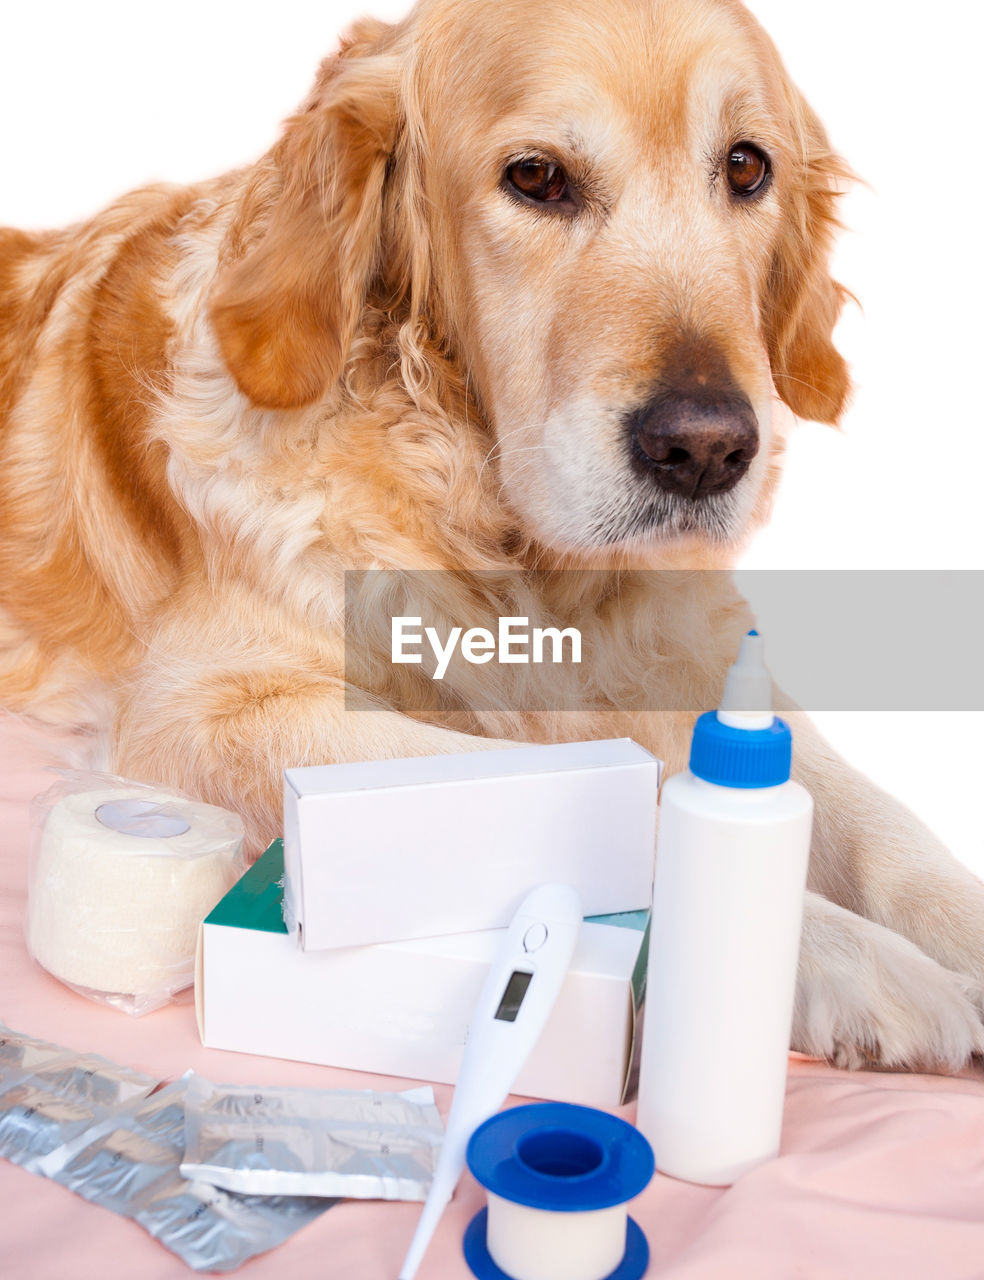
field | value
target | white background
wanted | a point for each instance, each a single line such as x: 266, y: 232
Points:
x: 99, y: 97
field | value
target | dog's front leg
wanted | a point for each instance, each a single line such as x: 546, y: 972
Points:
x: 868, y: 997
x: 894, y: 970
x: 227, y: 735
x: 891, y: 969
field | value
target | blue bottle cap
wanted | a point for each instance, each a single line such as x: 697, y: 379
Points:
x: 741, y: 757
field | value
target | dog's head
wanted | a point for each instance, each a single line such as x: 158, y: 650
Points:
x: 614, y: 215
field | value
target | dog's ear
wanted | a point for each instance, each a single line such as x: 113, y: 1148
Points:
x: 285, y: 312
x: 802, y: 302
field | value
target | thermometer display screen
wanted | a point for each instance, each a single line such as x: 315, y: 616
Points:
x: 513, y: 995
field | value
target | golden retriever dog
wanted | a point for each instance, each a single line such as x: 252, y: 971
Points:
x: 516, y: 299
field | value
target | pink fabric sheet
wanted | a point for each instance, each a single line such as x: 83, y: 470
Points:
x: 879, y: 1174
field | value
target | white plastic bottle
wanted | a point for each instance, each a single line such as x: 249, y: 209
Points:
x: 731, y: 863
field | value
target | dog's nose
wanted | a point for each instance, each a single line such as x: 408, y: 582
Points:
x: 695, y: 445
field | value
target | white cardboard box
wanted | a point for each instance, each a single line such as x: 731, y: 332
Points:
x: 402, y: 1008
x: 425, y: 847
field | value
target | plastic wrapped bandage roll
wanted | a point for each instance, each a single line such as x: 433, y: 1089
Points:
x: 558, y: 1179
x: 123, y: 874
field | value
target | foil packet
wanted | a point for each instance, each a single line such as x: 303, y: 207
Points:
x: 50, y: 1095
x: 363, y: 1144
x: 130, y: 1163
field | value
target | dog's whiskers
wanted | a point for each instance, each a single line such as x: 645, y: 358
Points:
x: 498, y: 445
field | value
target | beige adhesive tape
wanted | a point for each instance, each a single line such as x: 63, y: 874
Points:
x: 120, y: 884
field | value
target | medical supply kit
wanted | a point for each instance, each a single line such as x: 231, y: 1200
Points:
x: 432, y: 958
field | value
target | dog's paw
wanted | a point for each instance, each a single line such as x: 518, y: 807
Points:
x: 867, y: 997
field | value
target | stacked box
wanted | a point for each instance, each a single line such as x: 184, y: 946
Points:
x: 402, y: 1008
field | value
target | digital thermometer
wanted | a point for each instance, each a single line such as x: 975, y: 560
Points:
x: 519, y: 993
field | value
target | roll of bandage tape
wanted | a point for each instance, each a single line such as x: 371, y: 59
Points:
x: 558, y: 1179
x: 119, y: 886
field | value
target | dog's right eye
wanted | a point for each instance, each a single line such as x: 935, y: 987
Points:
x: 539, y: 180
x: 748, y: 169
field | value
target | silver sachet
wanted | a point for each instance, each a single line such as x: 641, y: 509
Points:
x: 340, y: 1142
x: 130, y: 1163
x: 49, y: 1095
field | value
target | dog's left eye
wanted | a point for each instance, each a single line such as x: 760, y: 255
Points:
x: 748, y: 169
x: 540, y: 180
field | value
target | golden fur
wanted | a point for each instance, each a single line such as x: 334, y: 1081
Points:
x: 359, y: 354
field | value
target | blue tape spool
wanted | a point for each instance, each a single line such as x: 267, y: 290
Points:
x: 563, y: 1159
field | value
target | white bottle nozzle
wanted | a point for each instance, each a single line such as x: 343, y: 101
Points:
x: 747, y: 699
